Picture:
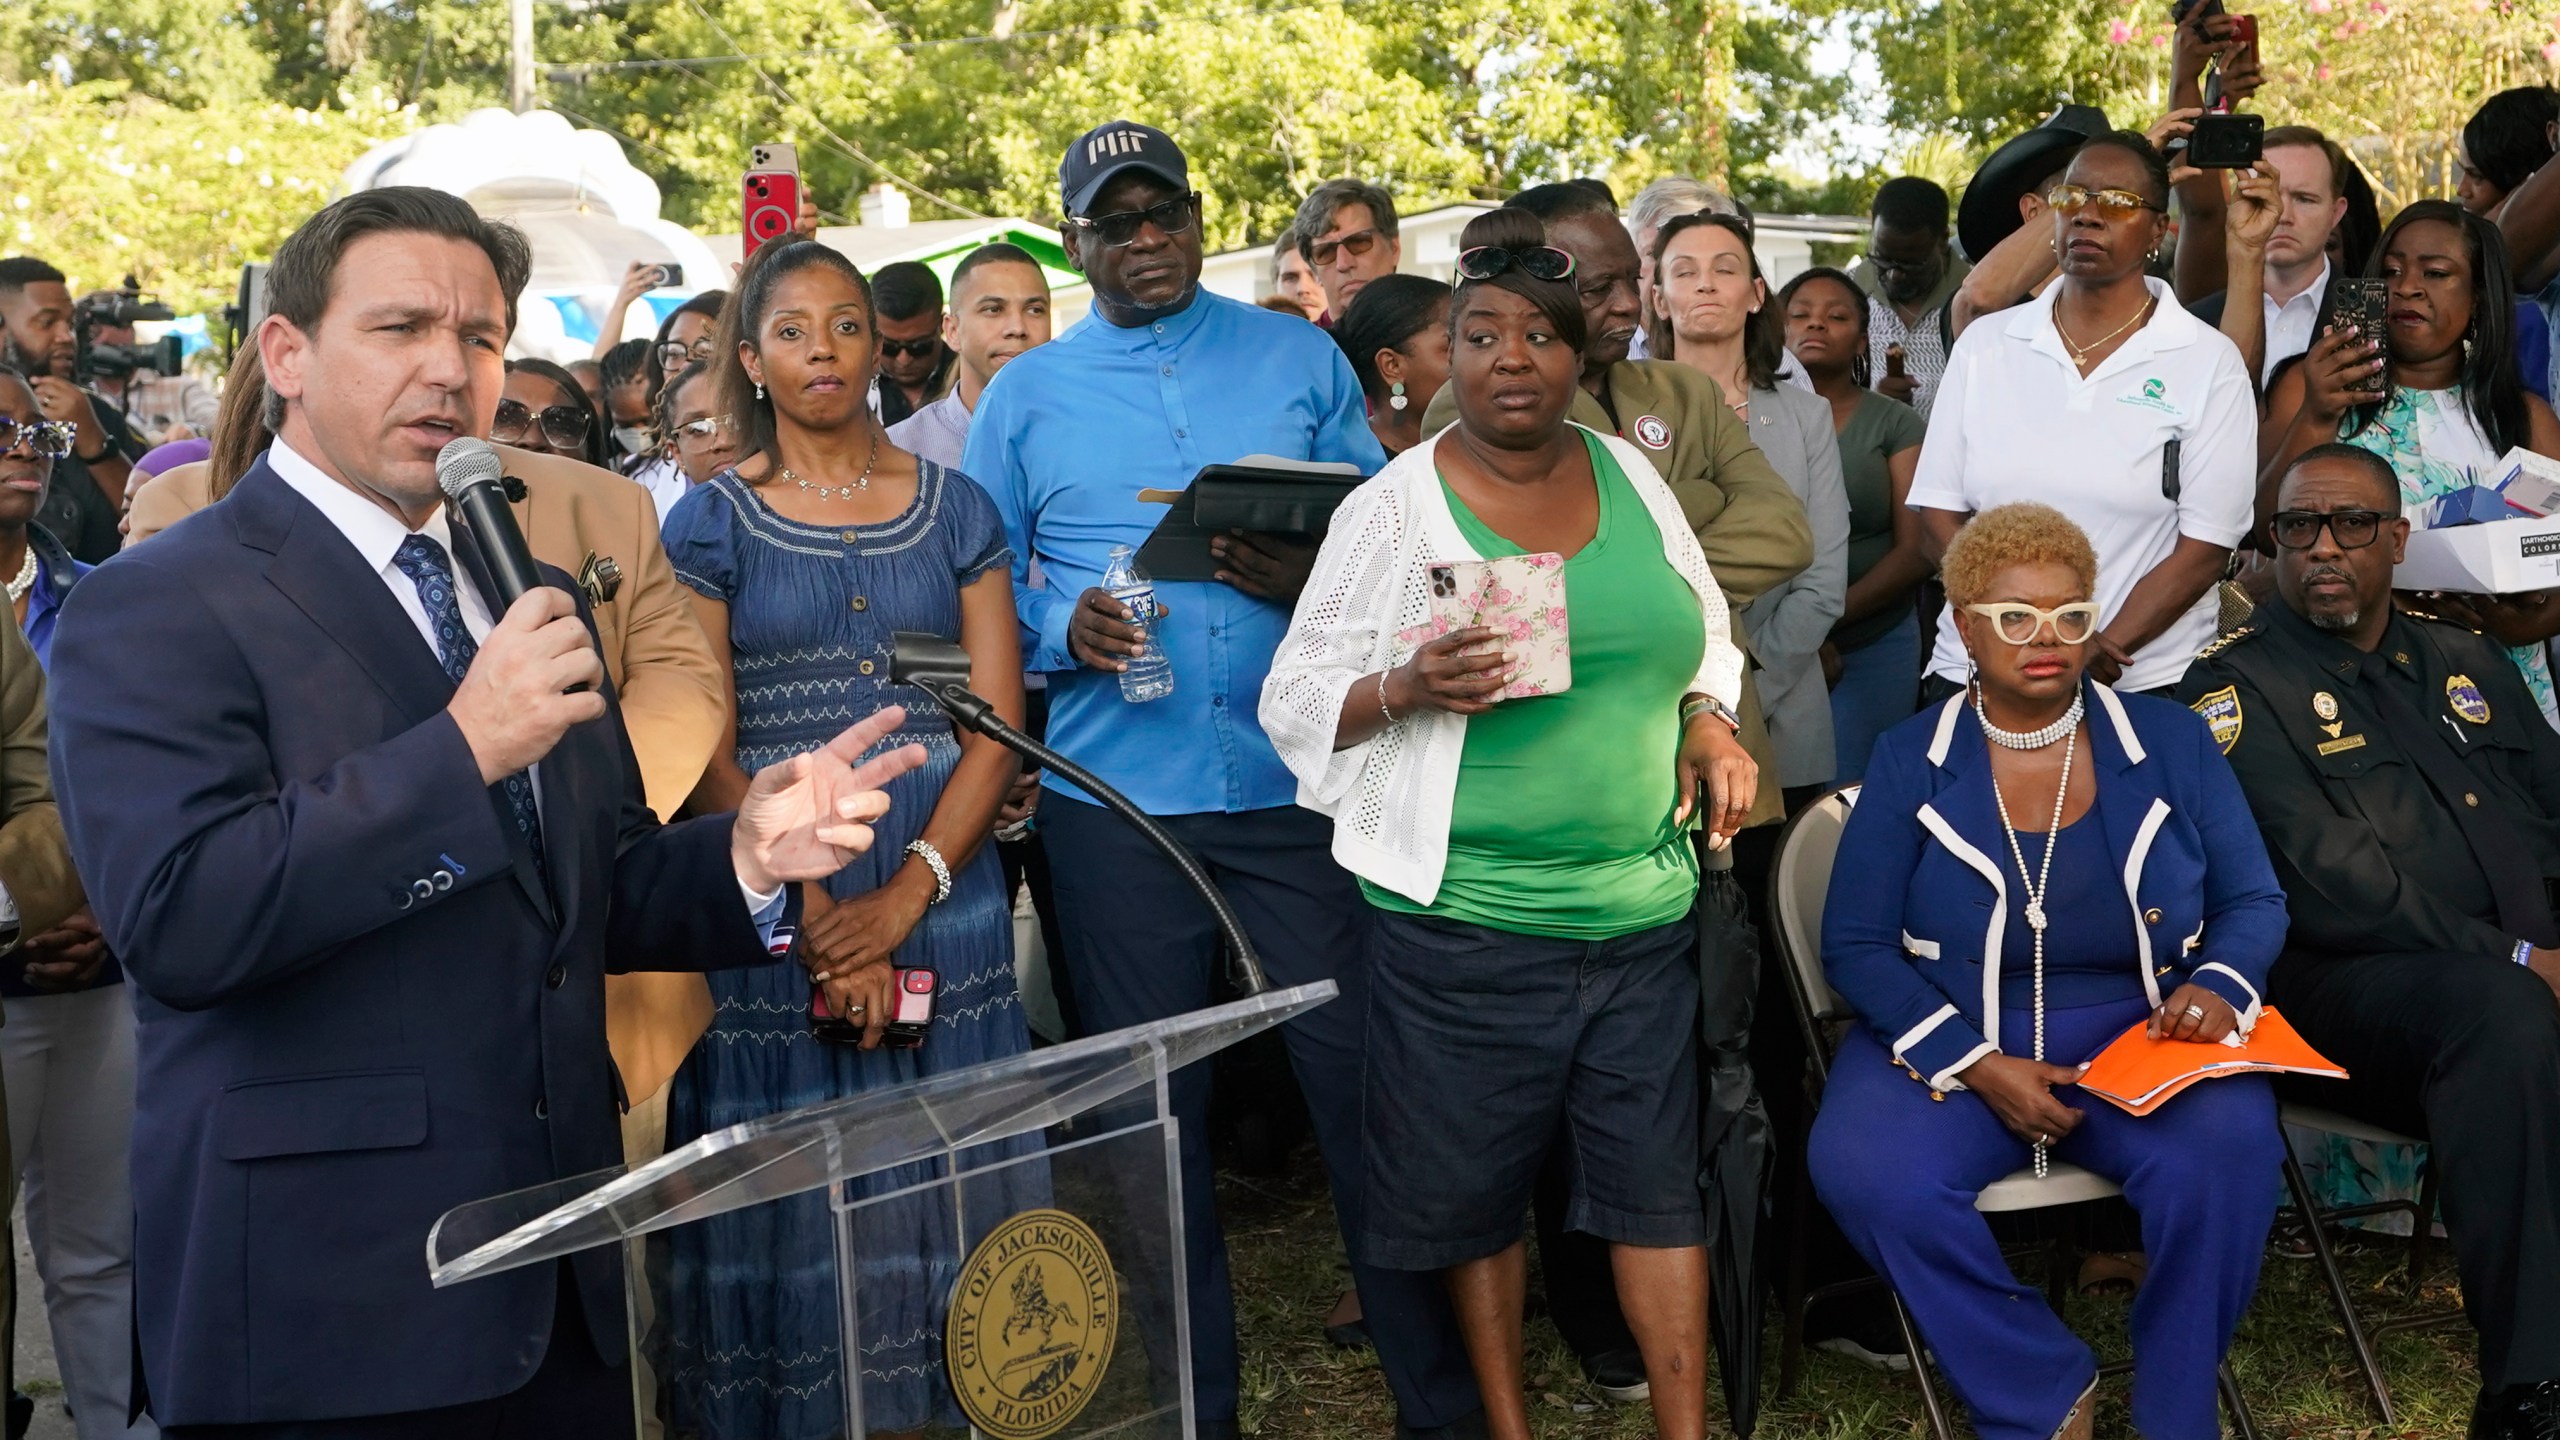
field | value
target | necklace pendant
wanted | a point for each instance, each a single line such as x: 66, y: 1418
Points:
x: 2035, y: 915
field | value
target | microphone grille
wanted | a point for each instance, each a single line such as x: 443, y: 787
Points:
x: 464, y: 462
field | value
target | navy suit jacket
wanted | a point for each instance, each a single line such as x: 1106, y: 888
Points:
x: 358, y: 1006
x: 1922, y: 888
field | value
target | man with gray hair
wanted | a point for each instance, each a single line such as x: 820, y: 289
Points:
x: 1654, y: 206
x: 1347, y: 235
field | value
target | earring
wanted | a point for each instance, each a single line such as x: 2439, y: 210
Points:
x: 759, y: 389
x: 1395, y: 396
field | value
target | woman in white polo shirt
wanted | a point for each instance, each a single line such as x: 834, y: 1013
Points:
x: 2105, y: 399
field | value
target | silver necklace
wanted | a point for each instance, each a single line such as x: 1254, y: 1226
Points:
x: 831, y: 492
x: 26, y: 580
x: 2027, y: 739
x: 2038, y: 884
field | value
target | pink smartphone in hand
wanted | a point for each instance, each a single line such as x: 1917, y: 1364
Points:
x: 1519, y: 596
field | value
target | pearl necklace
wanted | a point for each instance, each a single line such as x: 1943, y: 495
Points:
x: 2038, y: 885
x: 26, y: 580
x: 830, y: 492
x: 2027, y: 739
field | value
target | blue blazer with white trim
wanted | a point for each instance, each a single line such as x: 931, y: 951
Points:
x: 1920, y: 893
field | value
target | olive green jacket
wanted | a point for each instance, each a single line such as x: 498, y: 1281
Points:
x: 1749, y: 523
x: 35, y: 860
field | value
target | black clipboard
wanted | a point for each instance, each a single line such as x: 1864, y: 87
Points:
x: 1280, y: 498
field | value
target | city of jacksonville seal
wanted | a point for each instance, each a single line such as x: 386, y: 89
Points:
x: 1032, y: 1324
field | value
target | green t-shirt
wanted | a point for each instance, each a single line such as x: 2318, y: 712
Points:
x: 1879, y: 429
x: 1562, y: 821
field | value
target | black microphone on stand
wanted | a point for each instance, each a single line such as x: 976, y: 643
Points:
x: 474, y: 479
x: 941, y: 669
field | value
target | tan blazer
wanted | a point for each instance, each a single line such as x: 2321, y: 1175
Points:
x: 35, y: 860
x: 674, y: 698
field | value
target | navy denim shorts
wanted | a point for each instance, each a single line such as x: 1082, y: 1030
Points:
x: 1485, y: 1048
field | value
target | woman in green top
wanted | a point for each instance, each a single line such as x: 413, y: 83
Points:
x: 1529, y: 859
x: 1874, y: 655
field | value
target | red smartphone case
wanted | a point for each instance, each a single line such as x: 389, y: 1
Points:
x: 769, y: 207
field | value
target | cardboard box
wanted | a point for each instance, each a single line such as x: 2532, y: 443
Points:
x: 2530, y: 482
x: 2502, y: 559
x: 2470, y: 505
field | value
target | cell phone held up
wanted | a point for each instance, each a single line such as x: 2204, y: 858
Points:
x: 2365, y: 304
x: 913, y: 997
x: 770, y: 200
x: 2227, y: 141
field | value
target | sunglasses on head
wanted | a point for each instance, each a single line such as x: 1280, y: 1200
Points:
x: 1120, y: 227
x: 2300, y: 529
x: 45, y: 439
x: 1538, y: 262
x: 2112, y: 204
x: 2019, y: 623
x: 918, y: 348
x: 565, y: 426
x: 674, y: 355
x: 1321, y: 253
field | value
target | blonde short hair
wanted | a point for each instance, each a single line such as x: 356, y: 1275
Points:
x: 2023, y: 533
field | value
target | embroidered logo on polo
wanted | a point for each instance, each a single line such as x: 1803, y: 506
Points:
x: 2154, y: 396
x: 2221, y: 711
x: 1651, y: 433
x: 2464, y: 699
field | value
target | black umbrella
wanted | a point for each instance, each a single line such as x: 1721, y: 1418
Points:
x: 1735, y: 1139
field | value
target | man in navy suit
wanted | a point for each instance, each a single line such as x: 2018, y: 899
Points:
x: 365, y: 847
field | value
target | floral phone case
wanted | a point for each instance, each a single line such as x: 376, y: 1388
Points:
x: 1521, y: 596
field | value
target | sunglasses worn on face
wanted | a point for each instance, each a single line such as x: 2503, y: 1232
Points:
x: 704, y: 431
x: 674, y: 355
x: 565, y: 426
x: 918, y: 348
x: 45, y: 439
x: 2112, y: 204
x: 2019, y: 623
x: 2352, y: 529
x: 1120, y: 227
x: 1538, y: 262
x: 1882, y: 266
x: 1358, y: 242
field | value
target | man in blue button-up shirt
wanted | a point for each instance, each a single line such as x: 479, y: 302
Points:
x: 1159, y: 381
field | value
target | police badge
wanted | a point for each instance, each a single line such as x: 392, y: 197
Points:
x: 2464, y: 699
x: 2221, y: 711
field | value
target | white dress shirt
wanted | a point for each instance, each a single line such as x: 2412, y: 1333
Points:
x: 377, y: 536
x: 2289, y: 325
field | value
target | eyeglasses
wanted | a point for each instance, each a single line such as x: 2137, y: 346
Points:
x: 2020, y: 623
x: 1538, y: 262
x: 1882, y: 266
x: 1120, y: 227
x: 1321, y: 253
x: 918, y: 348
x: 2352, y: 529
x: 703, y: 431
x: 565, y: 426
x: 674, y: 355
x: 2112, y: 204
x: 45, y: 439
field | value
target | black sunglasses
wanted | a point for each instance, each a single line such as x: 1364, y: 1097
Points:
x: 45, y: 439
x: 2352, y: 529
x: 1538, y: 262
x: 895, y: 348
x: 1120, y: 227
x: 565, y: 426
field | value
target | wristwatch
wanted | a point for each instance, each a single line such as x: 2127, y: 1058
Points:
x: 1709, y: 705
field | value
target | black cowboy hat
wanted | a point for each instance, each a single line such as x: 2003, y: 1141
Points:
x: 1988, y: 214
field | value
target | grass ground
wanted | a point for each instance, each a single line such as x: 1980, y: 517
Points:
x: 2293, y: 1364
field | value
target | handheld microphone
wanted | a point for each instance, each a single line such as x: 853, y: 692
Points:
x: 472, y: 477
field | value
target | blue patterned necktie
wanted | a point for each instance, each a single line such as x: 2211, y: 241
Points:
x: 425, y: 563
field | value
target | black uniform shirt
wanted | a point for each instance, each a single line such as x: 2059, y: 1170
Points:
x: 2373, y: 856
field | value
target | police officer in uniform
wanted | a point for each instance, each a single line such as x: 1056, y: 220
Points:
x: 2409, y: 792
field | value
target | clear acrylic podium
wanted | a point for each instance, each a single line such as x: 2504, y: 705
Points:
x: 1068, y: 1315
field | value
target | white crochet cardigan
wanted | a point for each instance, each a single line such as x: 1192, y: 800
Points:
x: 1390, y: 796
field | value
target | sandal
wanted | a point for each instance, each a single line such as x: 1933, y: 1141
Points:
x: 2080, y: 1421
x: 2109, y: 1272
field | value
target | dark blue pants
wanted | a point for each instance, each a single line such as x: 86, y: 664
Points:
x: 1142, y: 946
x: 1900, y: 1171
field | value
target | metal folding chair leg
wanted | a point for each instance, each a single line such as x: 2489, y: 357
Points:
x: 2336, y: 1281
x: 1921, y: 1370
x: 2242, y: 1423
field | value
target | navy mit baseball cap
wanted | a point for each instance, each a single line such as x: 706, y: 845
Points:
x: 1101, y: 153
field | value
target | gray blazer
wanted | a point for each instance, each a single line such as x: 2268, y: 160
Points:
x: 1786, y: 626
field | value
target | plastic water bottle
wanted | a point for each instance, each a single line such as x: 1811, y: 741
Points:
x: 1149, y: 676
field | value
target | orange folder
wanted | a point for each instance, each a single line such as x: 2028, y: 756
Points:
x: 2138, y: 1074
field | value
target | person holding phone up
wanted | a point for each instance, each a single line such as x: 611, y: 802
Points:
x: 1527, y: 861
x: 2435, y: 392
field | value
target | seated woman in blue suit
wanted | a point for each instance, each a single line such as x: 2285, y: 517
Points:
x: 2096, y: 847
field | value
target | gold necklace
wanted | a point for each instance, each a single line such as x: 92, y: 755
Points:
x: 830, y: 492
x: 2080, y: 352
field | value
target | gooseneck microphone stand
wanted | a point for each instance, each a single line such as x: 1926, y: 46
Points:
x: 941, y: 669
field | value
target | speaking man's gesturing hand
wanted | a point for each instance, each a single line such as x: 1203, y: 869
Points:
x: 807, y: 817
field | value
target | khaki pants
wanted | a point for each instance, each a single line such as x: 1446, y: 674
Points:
x: 644, y: 1138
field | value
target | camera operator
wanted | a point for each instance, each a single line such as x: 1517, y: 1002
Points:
x: 38, y: 338
x: 159, y: 405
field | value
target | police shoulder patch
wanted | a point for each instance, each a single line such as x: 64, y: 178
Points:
x: 2221, y: 712
x: 2225, y: 641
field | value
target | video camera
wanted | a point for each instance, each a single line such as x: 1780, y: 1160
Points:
x: 125, y: 306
